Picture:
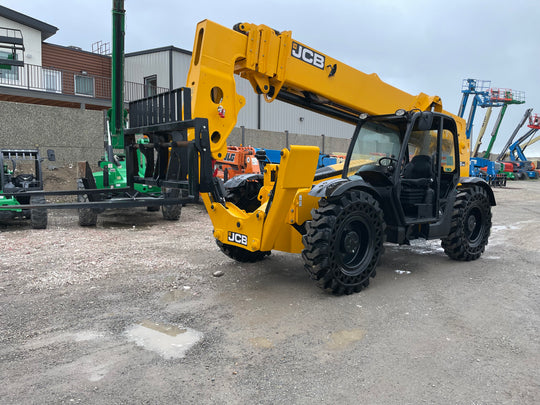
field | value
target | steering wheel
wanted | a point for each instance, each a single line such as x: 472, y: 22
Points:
x: 25, y: 177
x: 386, y: 161
x: 389, y: 163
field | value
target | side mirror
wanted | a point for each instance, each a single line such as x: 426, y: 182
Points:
x: 50, y: 155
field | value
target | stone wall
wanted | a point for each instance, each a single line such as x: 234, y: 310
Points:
x: 74, y: 134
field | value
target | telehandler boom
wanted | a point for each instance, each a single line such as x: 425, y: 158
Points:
x: 400, y: 181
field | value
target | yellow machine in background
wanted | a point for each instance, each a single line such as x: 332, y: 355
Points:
x: 400, y: 181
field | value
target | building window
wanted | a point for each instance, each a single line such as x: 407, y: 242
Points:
x: 52, y: 80
x: 8, y: 72
x: 150, y: 86
x: 84, y: 85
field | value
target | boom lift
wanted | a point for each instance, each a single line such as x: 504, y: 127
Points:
x: 480, y: 91
x: 524, y: 167
x: 486, y: 97
x: 405, y: 175
x: 506, y: 97
x: 534, y: 123
x: 504, y: 150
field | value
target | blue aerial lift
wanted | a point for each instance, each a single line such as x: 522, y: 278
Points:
x: 486, y: 97
x: 506, y: 97
x: 504, y: 152
x: 522, y: 166
x: 481, y: 91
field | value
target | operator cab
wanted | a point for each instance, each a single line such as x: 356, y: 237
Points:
x: 410, y: 159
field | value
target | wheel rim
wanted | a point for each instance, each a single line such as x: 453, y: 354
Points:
x: 354, y: 246
x: 474, y: 226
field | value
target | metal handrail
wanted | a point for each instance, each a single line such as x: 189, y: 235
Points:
x: 61, y: 81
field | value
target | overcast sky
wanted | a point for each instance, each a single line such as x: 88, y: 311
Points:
x: 425, y: 46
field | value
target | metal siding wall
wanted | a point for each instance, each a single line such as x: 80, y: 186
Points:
x: 140, y: 66
x: 181, y: 63
x: 248, y: 114
x: 280, y: 116
x: 276, y: 116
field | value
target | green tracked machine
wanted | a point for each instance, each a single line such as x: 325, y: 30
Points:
x: 111, y: 176
x: 21, y: 173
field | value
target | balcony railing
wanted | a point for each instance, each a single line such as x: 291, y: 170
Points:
x: 61, y: 81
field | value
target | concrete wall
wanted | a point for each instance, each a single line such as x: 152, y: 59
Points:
x: 77, y: 135
x: 74, y: 134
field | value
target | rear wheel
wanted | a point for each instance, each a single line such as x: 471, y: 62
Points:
x: 171, y: 212
x: 471, y: 225
x: 241, y: 255
x: 344, y: 242
x: 38, y: 216
x: 87, y: 216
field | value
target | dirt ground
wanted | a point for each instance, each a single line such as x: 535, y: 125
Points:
x: 133, y: 311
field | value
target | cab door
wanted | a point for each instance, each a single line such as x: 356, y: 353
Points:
x: 429, y: 169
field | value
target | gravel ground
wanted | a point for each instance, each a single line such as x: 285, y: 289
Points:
x: 131, y: 312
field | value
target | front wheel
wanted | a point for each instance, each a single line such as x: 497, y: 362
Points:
x: 171, y: 212
x: 344, y: 242
x: 38, y: 216
x: 87, y: 216
x: 471, y: 225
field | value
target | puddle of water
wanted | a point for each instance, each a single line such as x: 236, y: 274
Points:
x: 344, y: 338
x: 402, y: 271
x: 169, y: 341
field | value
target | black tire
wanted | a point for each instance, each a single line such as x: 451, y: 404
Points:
x: 344, y: 242
x: 171, y: 212
x: 471, y: 225
x: 241, y: 255
x: 38, y: 216
x: 87, y: 216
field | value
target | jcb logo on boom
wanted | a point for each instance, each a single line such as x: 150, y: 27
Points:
x: 237, y: 238
x: 307, y: 55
